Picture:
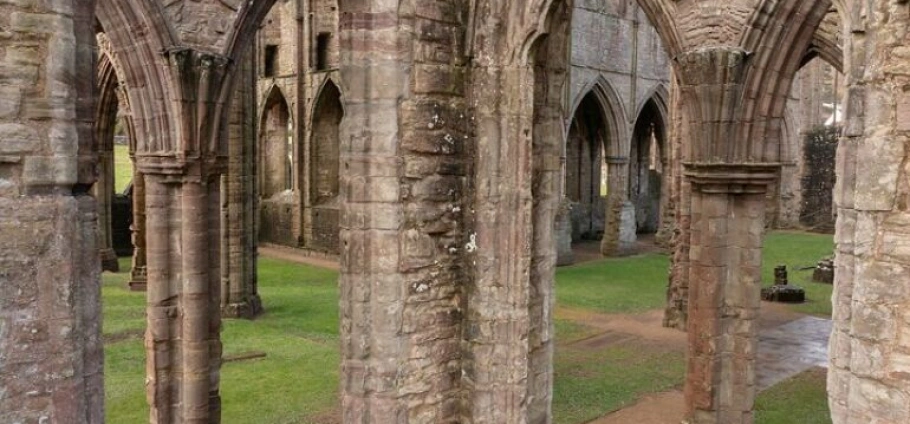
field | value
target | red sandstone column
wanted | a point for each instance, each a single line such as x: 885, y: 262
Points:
x: 182, y: 338
x: 182, y: 199
x: 728, y: 207
x: 138, y: 277
x: 239, y: 294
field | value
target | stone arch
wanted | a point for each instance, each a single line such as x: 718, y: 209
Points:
x: 586, y: 146
x: 612, y: 109
x: 325, y: 167
x: 789, y: 23
x: 143, y: 74
x: 648, y: 165
x: 109, y: 97
x: 659, y: 13
x: 327, y: 114
x: 827, y: 41
x: 276, y: 144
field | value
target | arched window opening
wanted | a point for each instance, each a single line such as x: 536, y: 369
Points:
x: 646, y: 168
x: 586, y: 179
x: 325, y: 164
x: 277, y: 146
x: 325, y: 145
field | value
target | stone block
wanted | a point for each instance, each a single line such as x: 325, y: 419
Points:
x: 876, y: 183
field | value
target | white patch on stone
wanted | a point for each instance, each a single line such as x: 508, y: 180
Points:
x: 471, y: 247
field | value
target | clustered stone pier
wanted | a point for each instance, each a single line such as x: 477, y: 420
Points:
x: 451, y: 164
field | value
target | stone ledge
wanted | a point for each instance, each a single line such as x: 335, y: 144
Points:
x: 731, y: 178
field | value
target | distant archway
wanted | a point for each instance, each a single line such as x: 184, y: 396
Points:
x: 325, y: 163
x: 647, y: 167
x: 276, y: 144
x: 586, y: 176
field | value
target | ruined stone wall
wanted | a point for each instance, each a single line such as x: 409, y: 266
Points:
x: 277, y: 96
x: 51, y: 353
x: 867, y: 378
x: 614, y: 47
x: 614, y: 40
x: 814, y: 87
x: 298, y: 217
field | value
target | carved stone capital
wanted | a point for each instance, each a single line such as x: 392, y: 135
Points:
x: 732, y: 178
x: 179, y: 168
x: 617, y: 160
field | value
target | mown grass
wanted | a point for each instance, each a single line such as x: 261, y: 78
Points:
x: 798, y: 250
x: 798, y: 400
x: 296, y: 383
x: 590, y: 383
x: 298, y: 380
x: 123, y: 167
x: 615, y: 285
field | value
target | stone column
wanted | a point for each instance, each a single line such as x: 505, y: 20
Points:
x: 870, y: 342
x: 619, y: 228
x: 104, y: 192
x: 51, y: 354
x: 508, y: 340
x: 239, y: 291
x: 182, y: 338
x: 728, y: 182
x: 138, y: 273
x: 182, y: 199
x: 728, y: 224
x: 403, y: 140
x: 678, y: 215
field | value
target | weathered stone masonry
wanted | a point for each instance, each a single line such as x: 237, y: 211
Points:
x: 50, y: 330
x: 451, y: 166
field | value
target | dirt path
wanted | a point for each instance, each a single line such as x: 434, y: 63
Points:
x: 660, y: 408
x: 604, y: 330
x: 299, y: 256
x: 786, y: 338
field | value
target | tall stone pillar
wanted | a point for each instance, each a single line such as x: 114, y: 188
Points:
x: 728, y: 182
x: 677, y: 215
x: 508, y: 340
x: 403, y: 140
x: 870, y: 343
x: 239, y: 291
x: 104, y: 193
x: 620, y: 228
x: 51, y: 353
x: 182, y: 209
x: 182, y: 338
x: 727, y: 227
x: 138, y: 272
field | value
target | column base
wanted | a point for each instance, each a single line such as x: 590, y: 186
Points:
x: 250, y: 309
x: 138, y: 280
x: 109, y: 260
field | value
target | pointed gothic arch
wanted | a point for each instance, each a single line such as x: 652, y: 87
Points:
x: 276, y: 141
x: 648, y: 164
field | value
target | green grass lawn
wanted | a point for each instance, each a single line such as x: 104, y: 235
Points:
x: 799, y: 400
x: 800, y: 250
x: 298, y: 380
x: 123, y: 167
x: 296, y: 383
